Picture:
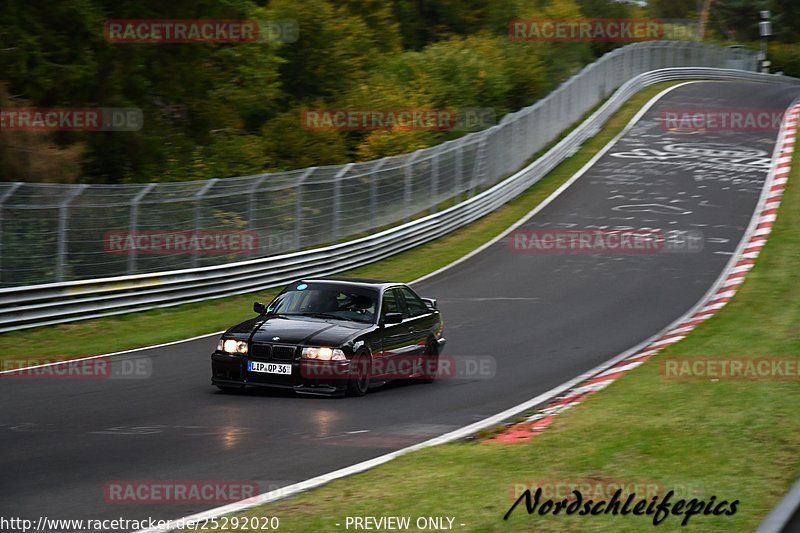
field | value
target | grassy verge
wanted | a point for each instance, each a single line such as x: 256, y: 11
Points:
x: 134, y: 330
x: 736, y: 440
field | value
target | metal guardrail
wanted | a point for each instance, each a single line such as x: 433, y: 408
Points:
x: 61, y: 232
x: 780, y: 518
x: 63, y: 302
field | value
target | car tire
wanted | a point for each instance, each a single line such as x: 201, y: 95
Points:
x: 231, y: 389
x: 358, y: 382
x: 431, y: 354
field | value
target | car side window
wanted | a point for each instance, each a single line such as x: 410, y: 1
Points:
x: 415, y: 305
x: 390, y: 303
x: 401, y: 303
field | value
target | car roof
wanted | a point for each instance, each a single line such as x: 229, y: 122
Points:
x: 360, y: 282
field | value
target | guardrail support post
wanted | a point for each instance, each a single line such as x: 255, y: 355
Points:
x: 63, y: 225
x: 198, y: 198
x: 298, y: 207
x: 134, y: 223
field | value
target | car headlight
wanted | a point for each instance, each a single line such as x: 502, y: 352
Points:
x: 323, y: 353
x: 232, y: 346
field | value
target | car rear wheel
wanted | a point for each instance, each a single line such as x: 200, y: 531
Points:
x: 430, y: 361
x: 360, y: 375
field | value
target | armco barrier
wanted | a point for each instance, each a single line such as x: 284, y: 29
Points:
x: 63, y: 302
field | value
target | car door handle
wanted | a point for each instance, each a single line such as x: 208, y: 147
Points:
x: 410, y: 329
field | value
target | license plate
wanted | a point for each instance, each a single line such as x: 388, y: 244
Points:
x: 269, y: 368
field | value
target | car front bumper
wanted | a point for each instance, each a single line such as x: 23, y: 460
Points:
x: 307, y: 377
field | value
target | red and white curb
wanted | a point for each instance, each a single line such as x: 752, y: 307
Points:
x: 733, y: 276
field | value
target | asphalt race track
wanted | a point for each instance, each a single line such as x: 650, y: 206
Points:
x: 545, y: 318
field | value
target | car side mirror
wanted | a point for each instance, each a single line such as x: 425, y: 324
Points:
x: 431, y: 303
x: 393, y: 318
x: 259, y: 308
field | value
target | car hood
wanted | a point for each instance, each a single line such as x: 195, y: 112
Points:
x: 300, y: 330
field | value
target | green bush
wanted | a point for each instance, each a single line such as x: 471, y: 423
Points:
x: 785, y: 58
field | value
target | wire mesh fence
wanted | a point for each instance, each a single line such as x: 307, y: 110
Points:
x: 53, y: 232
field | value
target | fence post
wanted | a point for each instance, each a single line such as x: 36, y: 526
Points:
x: 337, y: 201
x: 457, y: 178
x: 494, y: 152
x: 602, y: 78
x: 63, y: 225
x: 373, y: 192
x: 509, y: 136
x: 252, y: 194
x: 612, y: 66
x: 519, y: 149
x: 407, y: 185
x: 626, y: 58
x: 134, y: 224
x: 11, y: 189
x: 298, y: 207
x: 434, y: 180
x: 642, y: 60
x: 198, y: 198
x: 477, y: 166
x: 547, y: 106
x: 532, y: 132
x: 671, y: 55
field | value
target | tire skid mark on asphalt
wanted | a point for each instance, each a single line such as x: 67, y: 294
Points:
x: 731, y: 279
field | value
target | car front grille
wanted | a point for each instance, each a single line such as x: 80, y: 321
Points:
x: 274, y: 352
x: 283, y: 353
x: 262, y: 351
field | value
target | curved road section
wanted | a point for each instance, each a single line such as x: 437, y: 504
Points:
x: 539, y: 318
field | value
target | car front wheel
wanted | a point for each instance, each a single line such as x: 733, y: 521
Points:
x: 360, y: 374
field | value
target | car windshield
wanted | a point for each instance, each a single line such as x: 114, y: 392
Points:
x: 326, y: 301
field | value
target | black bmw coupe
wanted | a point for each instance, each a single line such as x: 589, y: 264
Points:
x: 332, y: 336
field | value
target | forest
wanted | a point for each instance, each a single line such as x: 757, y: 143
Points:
x: 216, y: 110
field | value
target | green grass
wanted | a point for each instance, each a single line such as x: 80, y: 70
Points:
x: 105, y: 335
x: 731, y: 439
